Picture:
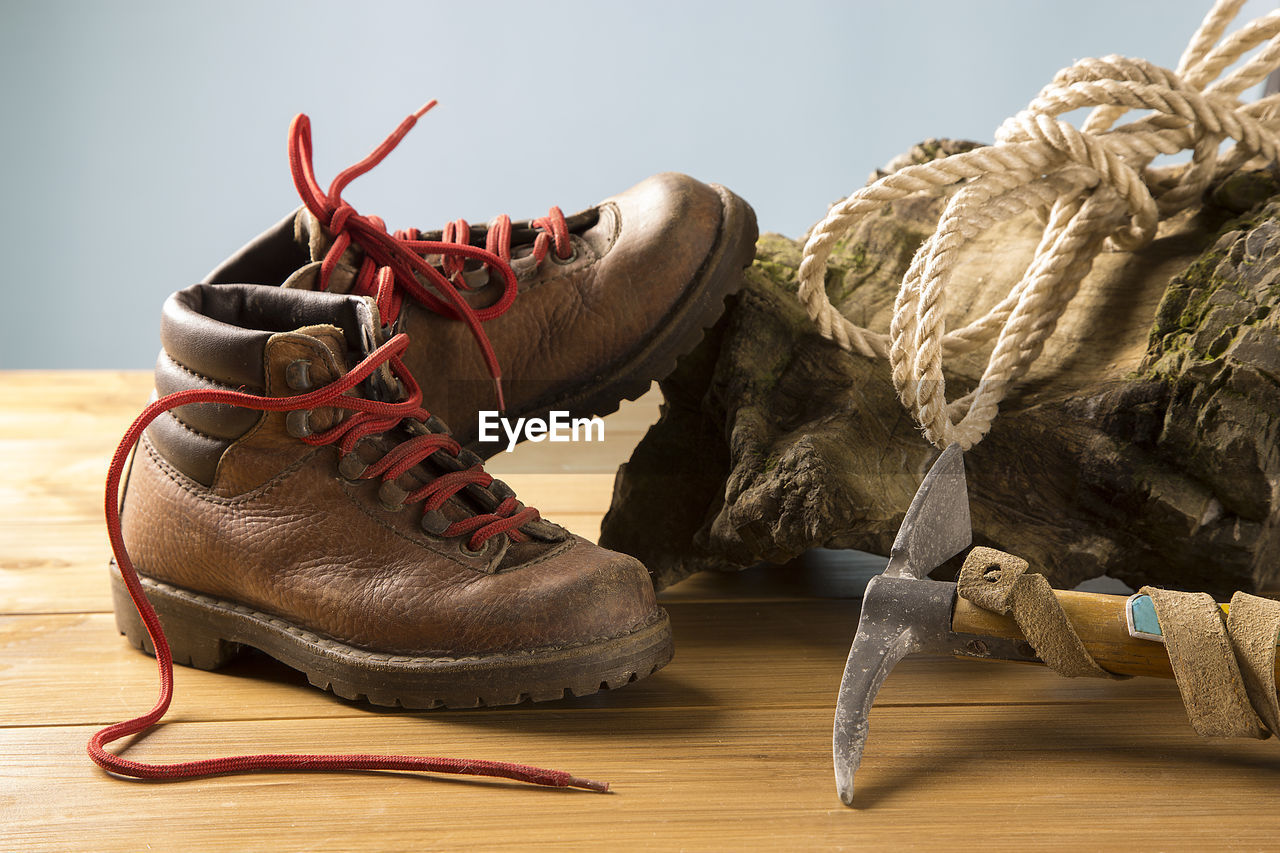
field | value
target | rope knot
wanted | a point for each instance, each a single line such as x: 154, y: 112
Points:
x: 337, y: 222
x: 1092, y: 186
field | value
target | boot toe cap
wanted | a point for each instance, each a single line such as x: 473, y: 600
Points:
x: 669, y: 224
x: 582, y: 594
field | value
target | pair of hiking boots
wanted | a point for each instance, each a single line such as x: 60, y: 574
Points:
x: 296, y: 489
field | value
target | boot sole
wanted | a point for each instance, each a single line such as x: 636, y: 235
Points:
x: 206, y: 633
x: 701, y: 306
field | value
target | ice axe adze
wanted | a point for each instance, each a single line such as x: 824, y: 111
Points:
x: 903, y: 612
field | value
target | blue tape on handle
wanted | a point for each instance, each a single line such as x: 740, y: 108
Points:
x: 1140, y: 615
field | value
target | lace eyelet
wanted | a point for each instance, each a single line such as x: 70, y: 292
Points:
x: 434, y: 522
x: 297, y: 375
x: 298, y: 423
x: 573, y: 255
x: 351, y: 467
x: 464, y: 545
x: 501, y: 490
x: 391, y: 496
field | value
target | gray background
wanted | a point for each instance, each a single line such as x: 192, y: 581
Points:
x: 143, y: 142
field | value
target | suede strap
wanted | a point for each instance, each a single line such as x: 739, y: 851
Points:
x: 1000, y: 582
x: 1225, y: 668
x: 1224, y: 665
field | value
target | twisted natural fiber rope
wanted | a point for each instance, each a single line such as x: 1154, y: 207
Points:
x: 1092, y: 185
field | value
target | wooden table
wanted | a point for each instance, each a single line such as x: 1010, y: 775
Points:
x: 727, y: 748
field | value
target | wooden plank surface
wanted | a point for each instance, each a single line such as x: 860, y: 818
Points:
x: 726, y: 748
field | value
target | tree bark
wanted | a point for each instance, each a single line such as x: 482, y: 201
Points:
x: 1144, y: 444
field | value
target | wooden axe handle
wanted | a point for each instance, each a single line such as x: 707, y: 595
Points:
x: 1098, y: 619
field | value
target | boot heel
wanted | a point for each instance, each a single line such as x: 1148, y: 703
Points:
x: 192, y: 639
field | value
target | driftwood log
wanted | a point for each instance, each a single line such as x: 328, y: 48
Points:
x: 1144, y: 445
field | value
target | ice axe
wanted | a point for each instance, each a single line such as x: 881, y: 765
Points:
x: 903, y: 611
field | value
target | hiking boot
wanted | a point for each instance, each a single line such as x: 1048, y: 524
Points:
x: 346, y: 533
x: 574, y: 313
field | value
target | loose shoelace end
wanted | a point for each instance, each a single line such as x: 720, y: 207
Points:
x: 375, y: 411
x: 497, y: 392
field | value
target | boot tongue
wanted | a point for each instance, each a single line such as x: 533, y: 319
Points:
x: 359, y: 335
x: 353, y: 336
x: 382, y: 383
x: 308, y: 232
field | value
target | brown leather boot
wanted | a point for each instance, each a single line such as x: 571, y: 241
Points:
x: 353, y: 539
x: 574, y: 313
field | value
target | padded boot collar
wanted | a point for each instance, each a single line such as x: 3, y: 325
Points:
x: 216, y: 336
x: 220, y: 331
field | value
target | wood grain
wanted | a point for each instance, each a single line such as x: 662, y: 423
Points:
x: 726, y: 748
x: 1099, y: 621
x: 703, y: 779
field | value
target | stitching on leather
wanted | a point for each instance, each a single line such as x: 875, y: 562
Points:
x: 346, y: 650
x: 535, y: 281
x: 430, y: 543
x: 617, y: 222
x: 629, y: 361
x: 426, y: 543
x: 202, y: 381
x: 566, y: 545
x: 189, y: 428
x: 274, y: 343
x: 200, y: 493
x: 205, y: 380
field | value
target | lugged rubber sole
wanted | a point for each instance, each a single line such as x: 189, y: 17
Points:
x: 702, y: 305
x: 206, y: 633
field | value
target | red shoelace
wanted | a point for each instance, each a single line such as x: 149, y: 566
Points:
x: 405, y: 254
x: 370, y: 416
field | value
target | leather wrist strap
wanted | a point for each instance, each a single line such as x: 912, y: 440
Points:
x: 1224, y: 665
x: 1000, y: 582
x: 1224, y: 668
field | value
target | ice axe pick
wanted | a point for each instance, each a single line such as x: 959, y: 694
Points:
x: 903, y: 611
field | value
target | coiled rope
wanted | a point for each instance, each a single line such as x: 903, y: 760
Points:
x: 1094, y: 187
